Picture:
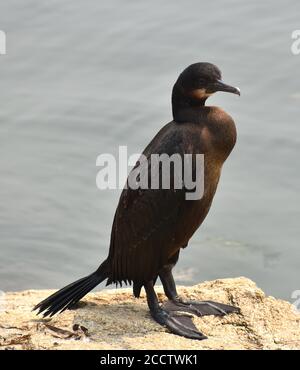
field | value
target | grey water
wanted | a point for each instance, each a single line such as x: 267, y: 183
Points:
x: 81, y: 78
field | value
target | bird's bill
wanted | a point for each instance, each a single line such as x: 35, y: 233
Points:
x: 222, y: 86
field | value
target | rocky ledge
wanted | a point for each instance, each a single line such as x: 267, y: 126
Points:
x: 113, y: 319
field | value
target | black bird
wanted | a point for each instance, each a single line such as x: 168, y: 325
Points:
x: 152, y: 225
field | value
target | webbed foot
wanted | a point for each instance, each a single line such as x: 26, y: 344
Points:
x: 177, y: 323
x: 199, y: 308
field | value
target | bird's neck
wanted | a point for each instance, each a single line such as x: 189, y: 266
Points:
x: 186, y: 108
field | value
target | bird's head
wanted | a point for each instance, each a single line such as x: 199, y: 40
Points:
x: 200, y: 80
x: 196, y: 83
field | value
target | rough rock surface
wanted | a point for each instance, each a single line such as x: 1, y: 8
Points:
x: 113, y: 319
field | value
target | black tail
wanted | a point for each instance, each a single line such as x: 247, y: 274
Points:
x: 66, y: 297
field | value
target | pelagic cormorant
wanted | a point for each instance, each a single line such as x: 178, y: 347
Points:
x: 152, y: 225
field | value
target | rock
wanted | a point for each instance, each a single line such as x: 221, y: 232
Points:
x: 113, y: 319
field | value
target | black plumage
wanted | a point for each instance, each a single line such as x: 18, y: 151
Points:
x: 152, y: 225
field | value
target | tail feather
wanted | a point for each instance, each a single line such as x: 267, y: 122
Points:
x: 66, y: 297
x: 62, y: 302
x: 61, y: 295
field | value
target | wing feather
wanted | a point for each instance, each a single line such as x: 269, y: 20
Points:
x: 143, y: 232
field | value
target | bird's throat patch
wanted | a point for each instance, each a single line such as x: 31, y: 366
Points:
x: 200, y: 94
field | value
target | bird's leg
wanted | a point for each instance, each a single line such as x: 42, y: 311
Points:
x: 177, y: 323
x: 199, y: 308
